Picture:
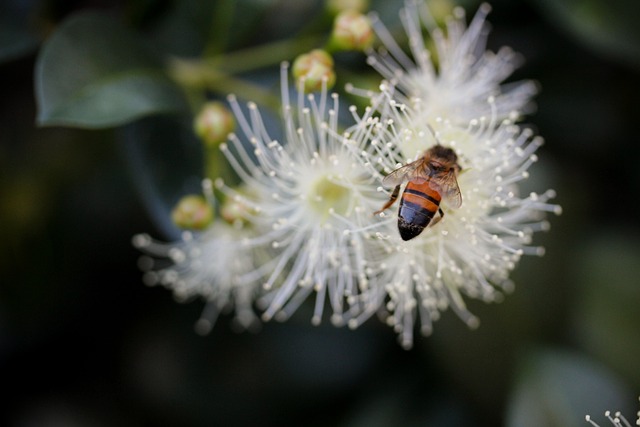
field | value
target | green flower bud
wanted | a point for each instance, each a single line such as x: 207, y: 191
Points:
x: 336, y: 6
x: 313, y: 68
x: 352, y: 31
x: 213, y: 123
x: 192, y: 212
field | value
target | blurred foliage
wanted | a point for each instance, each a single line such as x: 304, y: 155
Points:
x: 16, y: 39
x: 95, y: 73
x: 606, y: 317
x: 609, y: 27
x: 552, y: 386
x: 84, y: 343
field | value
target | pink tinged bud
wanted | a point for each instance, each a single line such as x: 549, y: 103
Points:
x: 192, y: 212
x: 313, y: 69
x: 352, y: 31
x: 213, y: 123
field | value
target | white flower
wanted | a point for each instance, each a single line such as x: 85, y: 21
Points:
x: 310, y: 191
x: 215, y: 264
x: 618, y: 420
x: 473, y: 249
x: 456, y: 84
x: 459, y: 104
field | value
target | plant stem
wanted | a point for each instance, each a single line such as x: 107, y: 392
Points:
x: 263, y: 55
x: 216, y: 73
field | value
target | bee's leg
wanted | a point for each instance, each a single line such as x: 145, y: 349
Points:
x: 391, y: 201
x: 437, y: 220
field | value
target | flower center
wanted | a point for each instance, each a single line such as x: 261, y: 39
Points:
x: 327, y: 194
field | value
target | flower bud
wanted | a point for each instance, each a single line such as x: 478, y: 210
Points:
x: 336, y: 6
x: 313, y: 68
x: 192, y: 212
x: 351, y: 31
x: 213, y: 123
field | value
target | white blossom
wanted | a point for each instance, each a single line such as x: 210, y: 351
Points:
x: 216, y: 264
x: 456, y: 83
x: 311, y: 191
x: 473, y: 249
x: 459, y: 103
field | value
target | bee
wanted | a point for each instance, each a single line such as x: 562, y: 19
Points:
x: 429, y: 179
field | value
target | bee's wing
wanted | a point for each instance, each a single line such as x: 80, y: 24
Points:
x: 414, y: 171
x: 447, y: 185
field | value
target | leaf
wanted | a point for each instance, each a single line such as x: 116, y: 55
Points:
x: 95, y: 73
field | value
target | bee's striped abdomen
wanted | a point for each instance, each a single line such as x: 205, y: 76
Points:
x: 418, y: 205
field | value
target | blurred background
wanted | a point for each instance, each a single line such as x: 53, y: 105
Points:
x: 84, y: 343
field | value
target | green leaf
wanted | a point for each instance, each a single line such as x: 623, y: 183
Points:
x: 95, y: 73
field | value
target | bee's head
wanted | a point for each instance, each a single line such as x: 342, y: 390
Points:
x: 443, y: 154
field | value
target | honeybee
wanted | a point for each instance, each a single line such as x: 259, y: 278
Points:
x: 429, y: 180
